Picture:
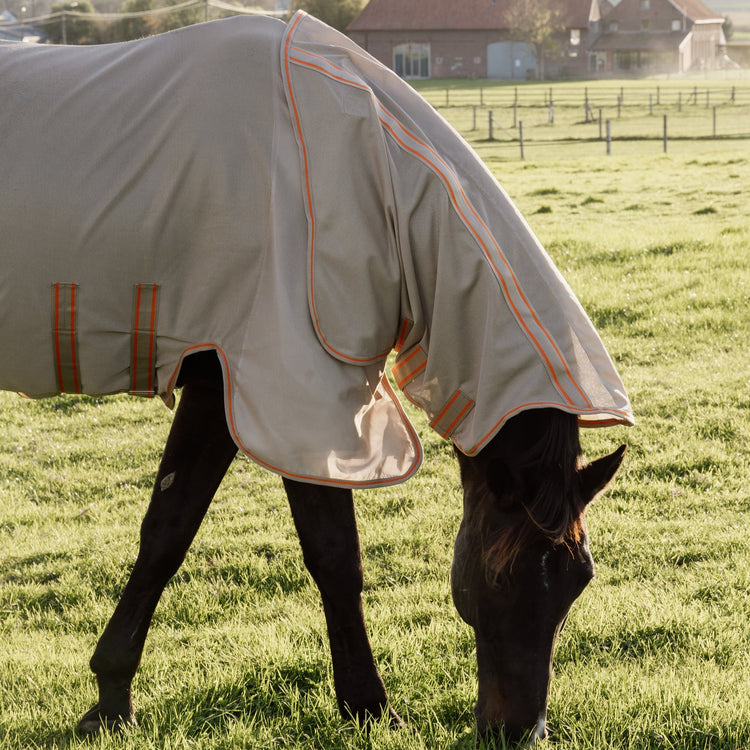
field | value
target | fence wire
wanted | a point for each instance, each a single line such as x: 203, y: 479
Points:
x: 520, y: 122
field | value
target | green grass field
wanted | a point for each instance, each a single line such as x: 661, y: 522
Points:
x: 656, y: 652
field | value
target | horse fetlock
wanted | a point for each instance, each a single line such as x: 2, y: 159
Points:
x: 97, y: 719
x: 364, y: 716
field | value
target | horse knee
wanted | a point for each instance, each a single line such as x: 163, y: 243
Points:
x: 336, y: 569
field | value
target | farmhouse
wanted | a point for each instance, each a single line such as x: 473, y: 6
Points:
x: 467, y: 38
x: 478, y: 38
x: 658, y: 36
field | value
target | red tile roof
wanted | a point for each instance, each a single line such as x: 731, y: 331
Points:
x: 695, y: 10
x: 432, y: 15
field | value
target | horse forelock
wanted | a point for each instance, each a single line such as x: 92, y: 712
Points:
x: 541, y: 452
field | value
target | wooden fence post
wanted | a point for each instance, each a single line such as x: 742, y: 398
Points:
x: 609, y: 137
x: 492, y: 137
x: 520, y: 137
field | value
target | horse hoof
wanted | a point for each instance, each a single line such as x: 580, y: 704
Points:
x: 93, y: 721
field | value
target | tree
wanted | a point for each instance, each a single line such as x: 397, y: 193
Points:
x: 728, y: 28
x: 138, y: 26
x: 536, y: 22
x: 73, y: 27
x: 336, y: 13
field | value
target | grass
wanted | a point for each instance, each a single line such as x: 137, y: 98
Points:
x: 655, y: 654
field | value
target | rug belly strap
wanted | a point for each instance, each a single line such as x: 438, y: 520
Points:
x: 452, y: 414
x: 143, y: 340
x: 65, y: 337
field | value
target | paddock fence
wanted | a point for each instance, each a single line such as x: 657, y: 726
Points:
x: 537, y: 121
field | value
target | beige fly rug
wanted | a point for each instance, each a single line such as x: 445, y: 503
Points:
x: 272, y: 192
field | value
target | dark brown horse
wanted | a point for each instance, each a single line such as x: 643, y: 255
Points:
x: 196, y: 211
x: 521, y: 558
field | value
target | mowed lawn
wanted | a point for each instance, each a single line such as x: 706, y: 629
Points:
x: 656, y: 652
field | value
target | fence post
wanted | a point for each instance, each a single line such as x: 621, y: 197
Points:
x: 447, y: 97
x: 665, y: 134
x: 609, y: 137
x: 651, y: 104
x: 474, y: 117
x: 490, y: 123
x: 481, y: 97
x: 515, y: 113
x: 551, y: 118
x: 714, y: 122
x: 520, y: 137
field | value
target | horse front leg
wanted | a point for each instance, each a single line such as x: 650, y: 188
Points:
x: 198, y: 453
x: 327, y: 529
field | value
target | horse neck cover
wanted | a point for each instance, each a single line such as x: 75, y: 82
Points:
x: 273, y: 192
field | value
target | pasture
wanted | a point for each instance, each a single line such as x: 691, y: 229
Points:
x: 655, y: 653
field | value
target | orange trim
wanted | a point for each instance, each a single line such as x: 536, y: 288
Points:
x: 65, y: 339
x: 58, y: 356
x: 310, y: 210
x: 136, y: 325
x: 625, y: 420
x: 301, y: 477
x: 73, y: 352
x: 405, y: 327
x: 447, y: 431
x: 152, y: 333
x: 410, y: 374
x: 480, y: 241
x: 346, y: 78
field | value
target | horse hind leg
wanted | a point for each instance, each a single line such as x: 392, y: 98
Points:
x: 327, y: 529
x: 198, y: 453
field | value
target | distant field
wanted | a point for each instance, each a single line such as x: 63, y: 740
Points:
x: 655, y: 653
x: 571, y: 118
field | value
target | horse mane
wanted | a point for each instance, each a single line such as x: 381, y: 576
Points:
x: 538, y: 454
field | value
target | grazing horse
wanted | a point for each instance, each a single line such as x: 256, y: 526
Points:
x: 258, y: 214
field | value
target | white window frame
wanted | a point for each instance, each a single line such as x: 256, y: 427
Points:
x: 412, y: 59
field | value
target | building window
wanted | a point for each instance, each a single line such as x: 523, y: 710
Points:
x: 645, y: 4
x: 676, y: 25
x: 613, y: 25
x: 575, y: 37
x: 412, y: 60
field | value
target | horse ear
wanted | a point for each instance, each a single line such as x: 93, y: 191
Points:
x: 598, y: 474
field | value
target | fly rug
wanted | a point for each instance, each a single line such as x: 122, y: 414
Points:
x: 261, y: 212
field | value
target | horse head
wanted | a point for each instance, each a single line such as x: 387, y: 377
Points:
x: 522, y: 558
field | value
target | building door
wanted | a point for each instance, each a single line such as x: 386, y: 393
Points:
x: 511, y: 61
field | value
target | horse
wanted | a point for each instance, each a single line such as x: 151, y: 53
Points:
x: 195, y: 234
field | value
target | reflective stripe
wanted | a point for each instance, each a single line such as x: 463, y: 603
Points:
x: 410, y: 366
x: 143, y: 340
x: 452, y: 414
x: 65, y: 335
